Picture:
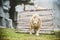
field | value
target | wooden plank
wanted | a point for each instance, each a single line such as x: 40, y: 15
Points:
x: 27, y: 27
x: 39, y: 12
x: 23, y: 27
x: 27, y: 21
x: 44, y: 32
x: 29, y: 24
x: 30, y: 15
x: 50, y: 24
x: 47, y: 20
x: 42, y: 17
x: 24, y: 15
x: 47, y: 24
x: 41, y: 31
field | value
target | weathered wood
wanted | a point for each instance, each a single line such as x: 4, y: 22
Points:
x: 42, y: 20
x: 38, y: 12
x: 22, y: 24
x: 45, y: 16
x: 41, y: 31
x: 27, y: 28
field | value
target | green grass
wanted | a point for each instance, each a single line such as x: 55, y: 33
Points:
x: 10, y: 34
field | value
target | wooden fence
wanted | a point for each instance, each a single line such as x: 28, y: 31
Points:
x: 45, y: 16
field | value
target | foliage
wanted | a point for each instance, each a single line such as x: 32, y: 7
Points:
x: 22, y: 2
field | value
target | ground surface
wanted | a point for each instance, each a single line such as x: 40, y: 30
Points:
x: 10, y: 34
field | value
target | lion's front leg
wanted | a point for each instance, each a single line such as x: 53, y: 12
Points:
x: 36, y: 32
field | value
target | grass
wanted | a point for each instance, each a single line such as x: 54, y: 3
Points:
x: 10, y: 34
